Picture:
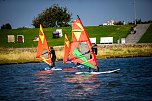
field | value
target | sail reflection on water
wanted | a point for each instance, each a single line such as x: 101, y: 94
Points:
x: 83, y: 85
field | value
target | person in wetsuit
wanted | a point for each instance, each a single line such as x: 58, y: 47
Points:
x: 53, y: 55
x: 94, y: 50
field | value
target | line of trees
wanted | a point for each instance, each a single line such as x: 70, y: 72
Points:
x: 53, y: 16
x: 139, y: 21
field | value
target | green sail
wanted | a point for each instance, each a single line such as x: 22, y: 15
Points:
x: 76, y: 53
x: 88, y: 64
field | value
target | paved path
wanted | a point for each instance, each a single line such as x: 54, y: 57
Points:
x: 140, y: 30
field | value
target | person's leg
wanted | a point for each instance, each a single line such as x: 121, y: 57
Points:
x: 89, y: 69
x: 97, y: 69
x: 53, y: 64
x: 53, y: 61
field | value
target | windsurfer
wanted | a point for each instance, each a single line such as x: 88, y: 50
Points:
x: 53, y: 55
x: 94, y: 50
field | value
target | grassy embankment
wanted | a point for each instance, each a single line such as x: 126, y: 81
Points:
x: 26, y: 52
x: 29, y: 34
x: 147, y: 37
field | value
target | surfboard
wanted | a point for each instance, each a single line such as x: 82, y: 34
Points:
x: 105, y: 72
x: 55, y: 69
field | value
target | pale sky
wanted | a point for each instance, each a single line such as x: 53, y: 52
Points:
x: 20, y: 13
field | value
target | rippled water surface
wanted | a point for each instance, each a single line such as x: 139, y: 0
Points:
x: 22, y: 82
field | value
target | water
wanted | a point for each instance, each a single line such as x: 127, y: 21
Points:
x: 28, y: 82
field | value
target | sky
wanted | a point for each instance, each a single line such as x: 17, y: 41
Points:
x: 20, y: 13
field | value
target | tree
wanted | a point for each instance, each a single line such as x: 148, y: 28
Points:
x: 119, y: 23
x: 6, y: 26
x: 3, y: 27
x: 53, y: 16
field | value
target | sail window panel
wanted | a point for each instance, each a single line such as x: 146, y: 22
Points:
x: 84, y: 49
x: 45, y: 54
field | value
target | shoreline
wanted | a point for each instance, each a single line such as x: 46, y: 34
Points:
x: 61, y: 60
x: 105, y: 51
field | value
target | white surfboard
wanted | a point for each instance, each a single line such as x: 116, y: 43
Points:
x: 56, y: 69
x: 48, y: 68
x: 111, y: 71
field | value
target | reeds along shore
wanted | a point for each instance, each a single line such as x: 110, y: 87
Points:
x: 25, y: 55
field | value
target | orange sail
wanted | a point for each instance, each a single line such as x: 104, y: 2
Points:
x: 43, y: 49
x: 81, y: 51
x: 66, y: 49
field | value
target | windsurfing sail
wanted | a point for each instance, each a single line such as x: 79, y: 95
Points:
x: 81, y: 46
x: 43, y: 49
x: 66, y: 49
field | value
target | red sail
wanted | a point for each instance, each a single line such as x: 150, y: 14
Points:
x: 43, y: 49
x: 81, y: 46
x: 66, y: 49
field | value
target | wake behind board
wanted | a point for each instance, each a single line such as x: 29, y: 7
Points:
x: 55, y: 69
x: 105, y: 72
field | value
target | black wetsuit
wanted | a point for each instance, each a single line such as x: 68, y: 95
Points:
x: 53, y: 57
x: 94, y: 50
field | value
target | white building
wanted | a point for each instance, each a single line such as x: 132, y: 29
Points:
x: 111, y: 22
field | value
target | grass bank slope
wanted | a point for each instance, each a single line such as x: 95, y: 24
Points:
x: 29, y: 34
x: 147, y: 37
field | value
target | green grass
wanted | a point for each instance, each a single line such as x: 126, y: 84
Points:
x: 109, y: 31
x: 147, y: 37
x: 29, y: 34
